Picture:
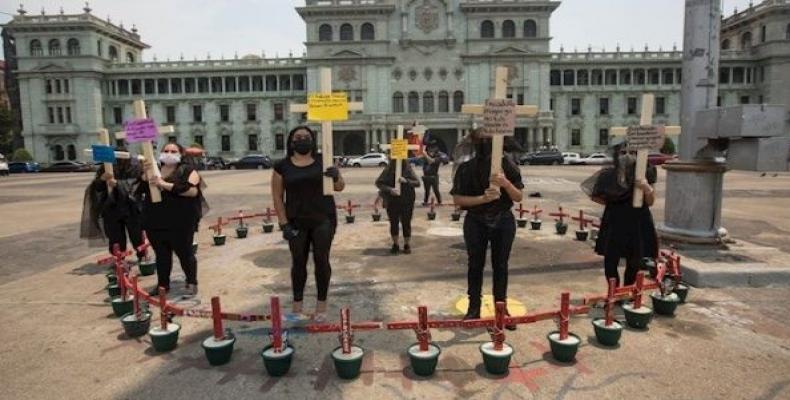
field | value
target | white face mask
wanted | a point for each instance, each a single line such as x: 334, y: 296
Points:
x: 169, y: 158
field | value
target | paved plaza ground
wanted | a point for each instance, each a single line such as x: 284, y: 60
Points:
x: 59, y: 338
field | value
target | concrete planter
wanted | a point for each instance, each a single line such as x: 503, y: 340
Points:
x: 563, y: 350
x: 241, y: 232
x: 268, y: 228
x: 121, y: 307
x: 218, y: 352
x: 136, y: 327
x: 496, y: 362
x: 347, y: 366
x: 456, y: 217
x: 219, y: 240
x: 431, y: 216
x: 376, y: 217
x: 350, y: 219
x: 607, y: 335
x: 582, y: 235
x: 665, y: 305
x: 147, y: 268
x: 423, y: 363
x: 277, y: 364
x: 164, y: 340
x: 521, y: 222
x: 637, y: 318
x: 561, y: 228
x: 682, y: 291
x: 535, y: 224
x: 113, y: 290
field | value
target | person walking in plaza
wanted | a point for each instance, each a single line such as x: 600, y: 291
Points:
x: 399, y: 200
x: 111, y: 207
x: 171, y: 223
x: 626, y: 232
x: 489, y: 219
x: 433, y: 159
x: 307, y: 216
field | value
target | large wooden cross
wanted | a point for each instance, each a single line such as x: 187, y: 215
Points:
x: 148, y: 148
x: 495, y: 109
x: 643, y: 138
x: 397, y: 147
x: 326, y: 123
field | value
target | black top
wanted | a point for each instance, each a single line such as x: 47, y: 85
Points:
x: 386, y: 181
x: 174, y: 212
x: 122, y: 202
x: 432, y: 168
x: 305, y: 203
x: 472, y: 179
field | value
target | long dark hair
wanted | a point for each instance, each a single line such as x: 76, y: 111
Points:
x: 289, y: 141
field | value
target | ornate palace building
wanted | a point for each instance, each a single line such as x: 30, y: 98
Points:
x: 69, y: 75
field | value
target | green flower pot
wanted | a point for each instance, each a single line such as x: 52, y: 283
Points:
x: 637, y: 318
x: 496, y: 362
x: 561, y: 228
x: 164, y: 340
x: 682, y: 291
x: 350, y: 219
x: 241, y: 232
x: 113, y: 290
x: 431, y: 216
x: 522, y: 223
x: 456, y: 217
x: 147, y: 268
x: 582, y: 235
x: 219, y: 240
x: 218, y: 352
x: 423, y: 363
x: 277, y: 364
x: 563, y: 350
x: 268, y: 228
x: 347, y: 366
x: 376, y: 217
x: 535, y: 224
x: 665, y: 305
x: 111, y: 278
x: 607, y: 335
x: 136, y: 327
x: 121, y: 307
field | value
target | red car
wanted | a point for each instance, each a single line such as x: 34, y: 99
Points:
x: 659, y: 158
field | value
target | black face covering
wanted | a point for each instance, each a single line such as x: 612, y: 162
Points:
x: 303, y: 146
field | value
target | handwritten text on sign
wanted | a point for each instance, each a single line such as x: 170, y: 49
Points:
x: 645, y: 137
x: 102, y: 153
x: 141, y: 130
x: 499, y: 117
x: 327, y: 106
x: 399, y: 149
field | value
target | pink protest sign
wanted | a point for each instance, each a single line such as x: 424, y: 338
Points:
x: 141, y: 130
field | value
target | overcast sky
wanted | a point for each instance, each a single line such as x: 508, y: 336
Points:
x: 195, y: 28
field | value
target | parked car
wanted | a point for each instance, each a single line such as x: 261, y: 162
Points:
x: 570, y: 158
x: 595, y: 159
x: 215, y: 162
x: 549, y: 157
x: 257, y: 161
x: 4, y: 171
x: 69, y: 166
x: 660, y: 158
x: 23, y: 166
x: 370, y: 160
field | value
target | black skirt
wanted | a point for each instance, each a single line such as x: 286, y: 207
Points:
x: 627, y: 232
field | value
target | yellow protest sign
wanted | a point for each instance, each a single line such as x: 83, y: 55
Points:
x: 399, y: 149
x: 327, y: 106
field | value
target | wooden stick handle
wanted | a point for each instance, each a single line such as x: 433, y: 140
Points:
x: 216, y: 315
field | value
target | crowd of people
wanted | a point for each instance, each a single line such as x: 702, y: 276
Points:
x: 119, y: 205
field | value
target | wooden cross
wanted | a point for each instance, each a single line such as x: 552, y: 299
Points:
x: 498, y: 140
x: 418, y: 131
x: 398, y: 158
x: 104, y: 140
x: 653, y: 134
x: 326, y: 125
x: 148, y: 148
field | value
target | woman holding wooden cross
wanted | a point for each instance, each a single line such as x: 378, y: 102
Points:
x: 626, y: 232
x: 171, y: 223
x: 399, y: 201
x: 487, y: 199
x: 307, y: 216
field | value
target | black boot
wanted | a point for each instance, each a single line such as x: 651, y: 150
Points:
x: 510, y: 327
x: 473, y: 312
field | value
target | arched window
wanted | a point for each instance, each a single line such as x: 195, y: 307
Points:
x: 787, y: 32
x: 458, y: 100
x: 725, y: 44
x: 54, y: 47
x: 73, y: 46
x: 486, y: 29
x: 59, y: 154
x: 368, y: 32
x: 397, y: 102
x: 35, y: 48
x: 129, y: 57
x: 72, y: 152
x: 325, y: 33
x: 444, y: 102
x: 427, y: 102
x: 530, y: 28
x: 414, y: 102
x: 508, y: 29
x: 113, y: 53
x: 346, y: 32
x: 746, y: 41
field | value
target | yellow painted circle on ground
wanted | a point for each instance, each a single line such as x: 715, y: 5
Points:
x: 487, y: 309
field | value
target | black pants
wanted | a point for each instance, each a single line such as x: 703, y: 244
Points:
x: 398, y: 212
x: 632, y: 266
x: 477, y: 235
x: 320, y: 238
x: 165, y: 243
x: 432, y: 183
x: 116, y: 230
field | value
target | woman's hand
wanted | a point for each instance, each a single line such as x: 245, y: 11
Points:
x: 403, y: 180
x: 642, y: 185
x: 161, y: 183
x: 106, y: 176
x: 491, y: 194
x: 148, y: 164
x: 395, y: 191
x: 112, y: 182
x: 499, y: 180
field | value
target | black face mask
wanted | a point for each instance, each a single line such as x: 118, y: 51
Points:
x: 303, y: 146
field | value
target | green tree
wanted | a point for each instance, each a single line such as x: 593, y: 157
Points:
x: 668, y: 147
x: 22, y: 155
x: 7, y: 123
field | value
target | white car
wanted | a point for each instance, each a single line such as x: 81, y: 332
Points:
x: 370, y: 160
x: 571, y: 158
x: 3, y: 166
x: 595, y: 159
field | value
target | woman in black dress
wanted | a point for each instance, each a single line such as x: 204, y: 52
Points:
x: 626, y: 232
x: 307, y: 216
x: 171, y: 223
x: 399, y: 202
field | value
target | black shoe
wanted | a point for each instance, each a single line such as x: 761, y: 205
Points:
x: 473, y: 312
x: 406, y: 249
x: 510, y: 327
x: 395, y: 249
x: 155, y: 291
